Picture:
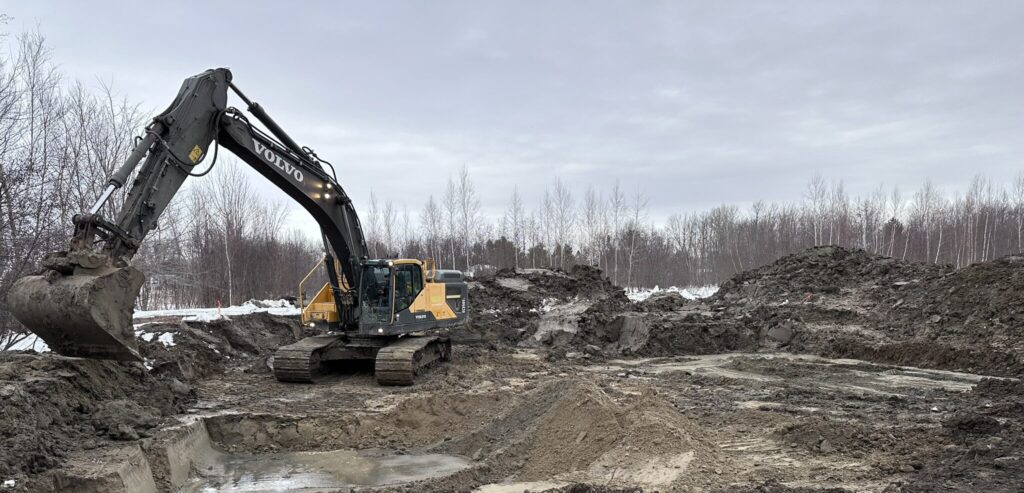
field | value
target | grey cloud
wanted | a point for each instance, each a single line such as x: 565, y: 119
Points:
x: 697, y: 103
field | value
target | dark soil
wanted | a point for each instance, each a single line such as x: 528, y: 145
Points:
x: 829, y: 301
x: 51, y: 406
x: 987, y: 437
x: 201, y: 349
x: 507, y: 308
x: 777, y: 487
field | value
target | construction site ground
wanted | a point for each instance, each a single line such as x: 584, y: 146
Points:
x: 829, y: 370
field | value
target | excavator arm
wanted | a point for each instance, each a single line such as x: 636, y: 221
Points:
x: 82, y: 302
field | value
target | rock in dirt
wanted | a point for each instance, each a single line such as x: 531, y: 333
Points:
x: 123, y: 419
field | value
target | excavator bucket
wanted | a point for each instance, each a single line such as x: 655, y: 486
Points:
x: 84, y: 312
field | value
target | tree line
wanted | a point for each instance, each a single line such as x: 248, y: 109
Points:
x: 610, y: 229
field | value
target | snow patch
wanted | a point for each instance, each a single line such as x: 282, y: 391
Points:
x: 205, y: 317
x: 690, y: 293
x: 273, y: 307
x: 167, y: 339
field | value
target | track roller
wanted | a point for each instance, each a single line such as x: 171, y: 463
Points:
x: 400, y: 362
x: 300, y: 362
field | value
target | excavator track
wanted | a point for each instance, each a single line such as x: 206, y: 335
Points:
x: 300, y: 362
x: 400, y: 362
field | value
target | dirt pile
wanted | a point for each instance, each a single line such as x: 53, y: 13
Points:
x: 838, y: 302
x: 825, y: 270
x: 52, y: 406
x: 188, y: 351
x: 981, y: 303
x: 572, y: 430
x: 540, y: 307
x: 663, y: 301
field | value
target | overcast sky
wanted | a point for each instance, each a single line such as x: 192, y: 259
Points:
x: 695, y: 103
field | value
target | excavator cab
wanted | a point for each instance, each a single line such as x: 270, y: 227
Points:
x: 396, y: 296
x: 376, y: 293
x: 407, y: 295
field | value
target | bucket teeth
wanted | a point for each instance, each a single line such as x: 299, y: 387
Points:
x: 85, y: 314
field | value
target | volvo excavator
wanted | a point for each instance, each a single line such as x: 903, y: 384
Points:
x: 392, y: 311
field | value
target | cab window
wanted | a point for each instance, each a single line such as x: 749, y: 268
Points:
x: 376, y: 291
x: 408, y: 284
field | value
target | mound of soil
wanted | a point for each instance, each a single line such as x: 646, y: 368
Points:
x: 663, y: 301
x: 836, y: 302
x: 188, y: 351
x: 982, y: 303
x: 52, y: 406
x: 822, y: 270
x: 574, y: 427
x: 540, y: 307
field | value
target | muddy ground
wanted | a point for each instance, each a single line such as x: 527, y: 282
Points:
x: 829, y: 370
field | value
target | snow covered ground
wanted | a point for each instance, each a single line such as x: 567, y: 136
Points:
x: 273, y: 307
x: 690, y: 293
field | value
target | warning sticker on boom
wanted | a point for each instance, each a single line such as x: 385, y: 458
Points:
x: 195, y: 154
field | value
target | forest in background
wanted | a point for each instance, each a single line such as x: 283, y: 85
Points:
x: 220, y: 242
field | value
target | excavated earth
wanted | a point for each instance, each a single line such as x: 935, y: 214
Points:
x: 831, y: 370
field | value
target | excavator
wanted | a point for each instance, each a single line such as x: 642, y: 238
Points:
x: 395, y: 312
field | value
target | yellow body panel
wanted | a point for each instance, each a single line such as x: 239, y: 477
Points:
x: 432, y: 299
x: 321, y: 307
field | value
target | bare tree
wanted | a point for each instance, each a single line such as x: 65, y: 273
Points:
x: 817, y: 196
x: 451, y: 209
x: 468, y: 212
x: 563, y: 216
x: 638, y: 212
x: 515, y: 222
x: 406, y: 237
x: 373, y: 226
x: 388, y: 227
x: 228, y: 196
x: 617, y: 215
x: 430, y: 227
x: 1018, y: 208
x: 592, y: 225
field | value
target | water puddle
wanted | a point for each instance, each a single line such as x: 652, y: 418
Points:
x: 315, y: 471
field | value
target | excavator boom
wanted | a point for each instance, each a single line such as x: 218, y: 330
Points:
x: 81, y: 303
